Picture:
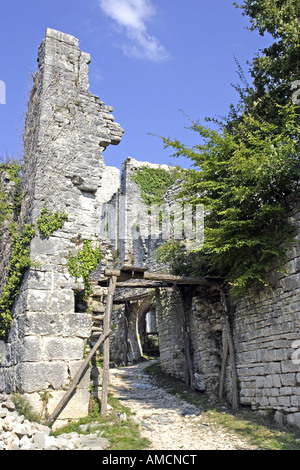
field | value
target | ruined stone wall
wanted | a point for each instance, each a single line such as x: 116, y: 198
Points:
x: 266, y: 333
x: 7, y: 196
x: 127, y: 222
x: 170, y: 326
x: 204, y: 328
x: 66, y: 131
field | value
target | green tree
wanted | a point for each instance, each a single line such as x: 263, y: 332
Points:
x: 247, y: 172
x: 277, y: 67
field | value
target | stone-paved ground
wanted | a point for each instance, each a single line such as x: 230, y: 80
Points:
x: 167, y: 421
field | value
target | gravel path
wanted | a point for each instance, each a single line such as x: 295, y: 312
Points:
x: 166, y: 420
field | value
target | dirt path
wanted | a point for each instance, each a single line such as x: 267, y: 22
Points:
x: 166, y: 420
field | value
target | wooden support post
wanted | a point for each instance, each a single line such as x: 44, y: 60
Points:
x: 77, y: 379
x: 189, y: 372
x: 229, y: 337
x: 223, y: 368
x: 106, y: 328
x: 125, y: 339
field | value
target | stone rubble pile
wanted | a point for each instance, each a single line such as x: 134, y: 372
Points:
x: 17, y: 433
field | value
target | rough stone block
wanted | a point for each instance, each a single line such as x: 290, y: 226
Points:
x: 31, y: 349
x: 77, y: 325
x: 294, y: 419
x: 85, y: 378
x: 62, y: 349
x: 77, y: 406
x: 288, y: 379
x: 39, y: 376
x: 37, y: 300
x: 62, y: 301
x: 42, y: 324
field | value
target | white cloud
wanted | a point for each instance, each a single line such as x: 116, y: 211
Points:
x: 132, y: 16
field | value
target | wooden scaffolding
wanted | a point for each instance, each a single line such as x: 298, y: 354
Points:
x: 120, y: 278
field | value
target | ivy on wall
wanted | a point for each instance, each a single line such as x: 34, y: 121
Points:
x: 10, y: 209
x: 154, y: 182
x: 82, y: 265
x: 50, y: 221
x: 20, y: 261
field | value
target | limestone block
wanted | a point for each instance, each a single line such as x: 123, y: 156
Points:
x: 38, y: 300
x: 62, y: 349
x: 31, y: 349
x: 199, y: 382
x: 44, y: 246
x: 291, y: 282
x: 77, y: 325
x: 77, y: 406
x: 20, y: 305
x: 288, y: 379
x: 35, y: 279
x: 62, y: 301
x: 43, y: 324
x: 294, y: 419
x: 84, y: 383
x: 38, y: 376
x: 2, y: 383
x: 295, y: 399
x: 62, y: 37
x: 34, y: 400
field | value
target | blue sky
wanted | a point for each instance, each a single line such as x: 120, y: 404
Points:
x: 150, y: 60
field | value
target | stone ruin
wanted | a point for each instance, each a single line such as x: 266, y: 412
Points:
x: 67, y: 129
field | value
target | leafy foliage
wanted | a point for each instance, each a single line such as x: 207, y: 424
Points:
x: 154, y: 182
x: 82, y: 265
x: 10, y: 211
x: 247, y: 172
x: 277, y: 66
x: 20, y: 261
x: 50, y: 221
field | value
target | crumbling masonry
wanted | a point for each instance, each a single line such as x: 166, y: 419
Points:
x: 66, y: 131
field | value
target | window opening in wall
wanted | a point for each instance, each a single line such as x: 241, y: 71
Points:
x: 81, y: 304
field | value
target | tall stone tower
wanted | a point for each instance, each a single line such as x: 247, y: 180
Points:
x: 66, y: 131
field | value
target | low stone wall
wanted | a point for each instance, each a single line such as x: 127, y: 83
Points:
x: 169, y: 313
x: 266, y: 329
x: 266, y: 333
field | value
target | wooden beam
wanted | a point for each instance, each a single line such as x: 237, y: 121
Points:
x: 155, y: 277
x: 133, y: 298
x: 232, y: 357
x: 177, y: 279
x: 77, y: 379
x: 106, y: 328
x: 137, y: 285
x: 133, y: 268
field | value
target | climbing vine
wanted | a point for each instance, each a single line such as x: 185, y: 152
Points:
x: 154, y: 182
x: 82, y: 265
x: 10, y: 209
x: 20, y: 261
x: 50, y: 221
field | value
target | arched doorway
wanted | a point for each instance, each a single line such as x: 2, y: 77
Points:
x: 140, y: 335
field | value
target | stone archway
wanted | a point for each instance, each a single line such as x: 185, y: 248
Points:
x: 133, y: 339
x: 139, y: 318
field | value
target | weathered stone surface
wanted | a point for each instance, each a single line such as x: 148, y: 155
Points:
x: 17, y: 433
x: 39, y: 376
x: 66, y: 131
